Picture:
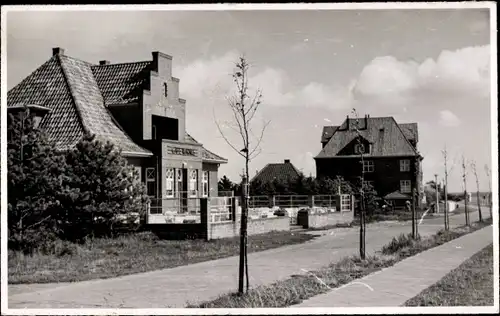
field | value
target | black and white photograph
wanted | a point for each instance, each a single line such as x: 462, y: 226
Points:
x: 249, y: 159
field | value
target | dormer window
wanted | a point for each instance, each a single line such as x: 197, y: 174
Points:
x: 165, y: 89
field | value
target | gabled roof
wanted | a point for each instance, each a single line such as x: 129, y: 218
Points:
x: 279, y: 171
x: 122, y: 83
x: 206, y: 154
x: 410, y: 130
x: 385, y: 135
x: 68, y: 87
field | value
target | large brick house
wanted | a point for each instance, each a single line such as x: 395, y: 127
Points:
x: 391, y: 161
x: 282, y: 172
x: 134, y: 105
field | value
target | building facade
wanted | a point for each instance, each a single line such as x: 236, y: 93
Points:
x: 136, y: 106
x: 391, y: 162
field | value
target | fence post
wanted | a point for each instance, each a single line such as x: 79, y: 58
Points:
x: 311, y: 201
x: 273, y: 201
x: 205, y: 217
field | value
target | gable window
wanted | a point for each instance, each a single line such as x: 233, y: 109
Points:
x: 359, y: 149
x: 179, y: 181
x: 368, y: 166
x: 193, y: 182
x: 151, y: 181
x: 405, y: 186
x: 204, y: 183
x: 169, y: 183
x: 404, y: 165
x: 165, y: 89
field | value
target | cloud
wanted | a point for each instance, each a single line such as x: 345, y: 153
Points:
x: 448, y: 119
x: 464, y: 71
x: 210, y: 78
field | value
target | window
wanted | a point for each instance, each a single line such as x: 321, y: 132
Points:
x: 404, y: 165
x: 345, y: 202
x: 169, y: 182
x: 151, y: 181
x: 179, y: 182
x: 405, y: 186
x: 359, y: 149
x: 165, y: 89
x: 204, y: 183
x: 193, y: 182
x: 368, y: 166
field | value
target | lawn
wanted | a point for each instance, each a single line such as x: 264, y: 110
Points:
x: 471, y: 284
x: 135, y: 253
x: 297, y: 288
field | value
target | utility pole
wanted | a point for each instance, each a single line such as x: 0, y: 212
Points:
x: 437, y: 193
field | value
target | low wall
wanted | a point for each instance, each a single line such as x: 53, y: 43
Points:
x: 178, y: 231
x: 323, y: 220
x: 255, y: 226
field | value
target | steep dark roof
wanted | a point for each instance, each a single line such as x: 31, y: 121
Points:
x: 279, y: 171
x: 410, y: 130
x: 327, y: 133
x: 122, y: 83
x: 385, y: 135
x: 77, y: 93
x: 67, y: 86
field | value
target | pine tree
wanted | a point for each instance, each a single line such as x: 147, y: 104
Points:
x: 35, y: 174
x: 99, y: 188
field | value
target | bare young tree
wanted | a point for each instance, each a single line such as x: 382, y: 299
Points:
x: 446, y: 210
x: 244, y: 107
x: 478, y: 197
x: 464, y: 178
x: 362, y: 209
x: 487, y: 171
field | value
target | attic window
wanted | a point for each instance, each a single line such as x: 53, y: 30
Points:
x: 165, y: 89
x: 359, y: 148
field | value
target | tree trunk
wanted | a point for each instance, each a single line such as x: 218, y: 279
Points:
x: 479, y: 205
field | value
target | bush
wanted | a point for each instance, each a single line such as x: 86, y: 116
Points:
x: 398, y: 243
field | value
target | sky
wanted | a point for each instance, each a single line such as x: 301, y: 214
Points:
x: 431, y: 67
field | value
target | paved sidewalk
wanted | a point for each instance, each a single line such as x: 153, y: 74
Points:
x: 393, y: 286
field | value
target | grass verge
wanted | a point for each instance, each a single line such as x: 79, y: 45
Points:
x: 297, y: 288
x: 134, y: 253
x: 471, y: 284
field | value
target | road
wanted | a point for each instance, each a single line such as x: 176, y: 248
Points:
x: 206, y: 280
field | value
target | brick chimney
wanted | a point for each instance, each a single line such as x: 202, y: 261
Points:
x: 347, y: 123
x: 104, y: 62
x: 287, y: 160
x: 57, y: 51
x: 366, y: 120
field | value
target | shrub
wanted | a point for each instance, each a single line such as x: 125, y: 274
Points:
x: 398, y: 243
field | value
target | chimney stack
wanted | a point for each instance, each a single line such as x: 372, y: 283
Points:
x: 287, y: 160
x: 366, y: 120
x: 104, y: 62
x: 347, y: 123
x: 57, y: 51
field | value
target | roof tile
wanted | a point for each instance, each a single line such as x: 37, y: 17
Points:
x: 279, y: 171
x: 386, y: 137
